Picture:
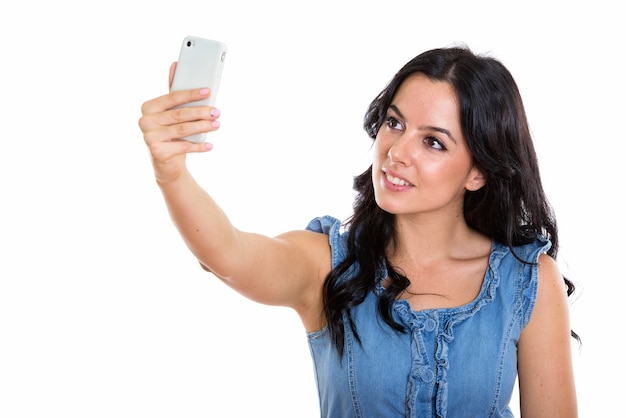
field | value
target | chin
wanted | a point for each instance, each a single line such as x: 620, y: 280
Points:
x: 387, y: 206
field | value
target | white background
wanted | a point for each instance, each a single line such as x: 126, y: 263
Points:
x: 103, y: 311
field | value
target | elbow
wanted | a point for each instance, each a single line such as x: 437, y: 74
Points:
x: 204, y: 267
x: 222, y: 277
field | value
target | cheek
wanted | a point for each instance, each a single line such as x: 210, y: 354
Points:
x: 443, y: 176
x: 379, y: 151
x: 458, y: 174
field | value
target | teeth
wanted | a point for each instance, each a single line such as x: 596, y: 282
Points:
x: 396, y: 180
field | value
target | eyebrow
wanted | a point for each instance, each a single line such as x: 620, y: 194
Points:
x: 430, y: 128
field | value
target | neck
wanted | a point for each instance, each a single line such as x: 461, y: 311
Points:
x: 429, y: 240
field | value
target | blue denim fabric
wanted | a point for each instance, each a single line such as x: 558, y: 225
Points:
x: 453, y: 362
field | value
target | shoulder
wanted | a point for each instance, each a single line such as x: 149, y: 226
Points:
x: 550, y: 315
x: 544, y: 351
x: 518, y: 269
x: 531, y: 252
x: 304, y: 265
x: 336, y: 237
x: 311, y: 244
x: 325, y: 224
x: 521, y: 255
x: 551, y: 287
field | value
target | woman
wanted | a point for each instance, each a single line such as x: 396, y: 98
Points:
x: 443, y: 286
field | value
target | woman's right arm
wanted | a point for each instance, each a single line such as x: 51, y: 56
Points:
x: 287, y: 270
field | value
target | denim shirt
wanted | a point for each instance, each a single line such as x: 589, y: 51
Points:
x: 450, y: 362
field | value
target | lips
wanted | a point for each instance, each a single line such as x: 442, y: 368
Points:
x: 396, y: 181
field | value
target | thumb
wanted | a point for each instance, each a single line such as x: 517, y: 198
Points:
x: 172, y: 71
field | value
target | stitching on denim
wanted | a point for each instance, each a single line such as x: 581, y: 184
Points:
x: 352, y: 374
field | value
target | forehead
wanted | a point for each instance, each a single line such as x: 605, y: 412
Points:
x: 421, y: 93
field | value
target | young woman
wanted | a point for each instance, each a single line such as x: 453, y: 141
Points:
x: 442, y: 287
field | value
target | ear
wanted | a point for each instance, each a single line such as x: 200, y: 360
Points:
x: 475, y: 180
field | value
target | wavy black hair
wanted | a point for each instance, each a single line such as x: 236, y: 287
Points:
x: 510, y: 208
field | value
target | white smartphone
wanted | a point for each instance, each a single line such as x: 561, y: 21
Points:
x: 200, y: 64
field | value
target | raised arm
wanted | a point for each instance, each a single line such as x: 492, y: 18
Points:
x: 287, y: 270
x: 546, y: 377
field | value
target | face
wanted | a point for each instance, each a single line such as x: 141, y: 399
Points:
x: 422, y: 164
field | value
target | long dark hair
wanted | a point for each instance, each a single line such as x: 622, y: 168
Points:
x: 510, y: 208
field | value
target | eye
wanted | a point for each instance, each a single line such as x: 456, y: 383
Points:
x: 393, y: 123
x: 434, y: 143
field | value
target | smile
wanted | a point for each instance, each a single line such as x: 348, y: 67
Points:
x: 396, y: 181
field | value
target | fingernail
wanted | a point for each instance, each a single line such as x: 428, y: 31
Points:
x: 208, y: 146
x: 205, y: 92
x: 215, y: 112
x: 215, y: 124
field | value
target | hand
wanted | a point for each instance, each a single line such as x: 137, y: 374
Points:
x: 163, y: 126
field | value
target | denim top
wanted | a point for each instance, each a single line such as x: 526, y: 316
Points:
x: 450, y: 362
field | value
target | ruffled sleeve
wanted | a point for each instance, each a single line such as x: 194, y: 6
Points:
x: 336, y: 237
x: 529, y: 286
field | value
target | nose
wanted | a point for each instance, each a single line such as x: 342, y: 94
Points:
x: 400, y: 152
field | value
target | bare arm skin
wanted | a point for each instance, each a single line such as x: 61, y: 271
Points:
x: 287, y: 270
x: 546, y: 377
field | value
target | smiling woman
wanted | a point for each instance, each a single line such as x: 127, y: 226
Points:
x: 421, y: 172
x: 421, y: 155
x: 441, y: 289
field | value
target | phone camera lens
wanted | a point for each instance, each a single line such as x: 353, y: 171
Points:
x: 188, y: 43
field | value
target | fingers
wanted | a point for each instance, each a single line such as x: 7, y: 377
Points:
x: 181, y: 115
x: 162, y: 119
x: 166, y: 151
x: 164, y: 122
x: 178, y: 123
x: 166, y: 119
x: 173, y: 99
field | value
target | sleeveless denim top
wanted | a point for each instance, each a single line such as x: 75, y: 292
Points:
x: 452, y: 362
